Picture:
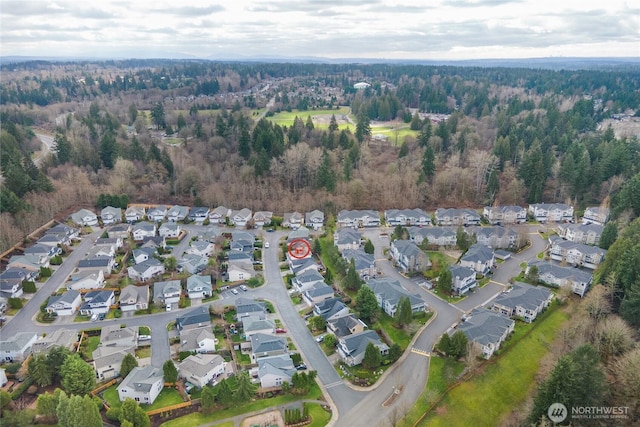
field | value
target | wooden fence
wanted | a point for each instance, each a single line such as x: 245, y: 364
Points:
x: 103, y: 387
x: 171, y: 408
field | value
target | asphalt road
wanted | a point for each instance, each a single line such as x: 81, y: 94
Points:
x: 48, y: 145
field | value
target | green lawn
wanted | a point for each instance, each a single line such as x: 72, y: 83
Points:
x: 167, y: 397
x: 504, y: 384
x: 143, y: 352
x: 285, y: 118
x: 91, y: 343
x: 394, y: 137
x: 398, y: 336
x: 199, y: 418
x: 111, y: 396
x: 144, y: 330
x: 319, y: 416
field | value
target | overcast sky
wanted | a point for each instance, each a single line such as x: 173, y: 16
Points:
x: 385, y: 29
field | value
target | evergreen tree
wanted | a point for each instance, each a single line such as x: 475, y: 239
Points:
x: 55, y: 359
x: 445, y: 281
x: 128, y: 363
x: 224, y: 392
x: 170, y: 372
x: 326, y: 177
x: 366, y: 304
x: 132, y: 412
x: 416, y: 123
x: 404, y: 150
x: 47, y: 404
x: 493, y: 185
x: 425, y: 134
x: 459, y: 342
x: 61, y: 410
x: 333, y: 124
x: 39, y: 370
x: 317, y: 247
x: 368, y: 247
x: 363, y: 128
x: 244, y: 144
x: 77, y: 375
x: 245, y: 388
x: 428, y: 162
x: 352, y: 280
x: 533, y: 172
x: 444, y: 345
x: 403, y: 315
x: 64, y: 148
x: 108, y: 150
x: 309, y: 124
x: 372, y: 357
x: 157, y: 115
x: 609, y: 235
x: 395, y: 351
x: 208, y: 398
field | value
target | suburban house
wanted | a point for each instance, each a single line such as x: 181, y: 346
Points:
x: 252, y: 325
x: 292, y: 220
x: 552, y: 274
x: 317, y: 293
x: 18, y: 347
x: 84, y: 217
x: 365, y: 263
x: 457, y: 217
x: 86, y: 280
x: 97, y: 302
x: 41, y: 249
x: 240, y: 218
x: 299, y: 233
x: 122, y: 231
x: 524, y: 301
x: 177, y: 213
x: 307, y: 279
x: 389, y: 293
x: 20, y: 274
x: 330, y: 308
x: 351, y: 348
x: 345, y: 325
x: 244, y: 241
x: 154, y: 242
x: 116, y: 242
x: 98, y: 251
x: 496, y: 236
x: 314, y: 220
x: 464, y: 279
x: 143, y: 229
x: 202, y: 369
x: 201, y: 247
x: 142, y: 385
x: 200, y: 340
x: 111, y: 335
x: 437, y: 236
x: 170, y: 230
x: 157, y: 214
x: 487, y: 330
x: 248, y: 307
x: 28, y: 261
x: 498, y: 215
x: 480, y: 258
x: 195, y: 318
x: 66, y: 304
x: 145, y: 270
x: 167, y: 292
x: 408, y: 256
x: 596, y: 215
x: 407, y: 217
x: 554, y: 212
x: 298, y: 266
x: 199, y: 286
x: 219, y: 215
x: 54, y: 239
x: 134, y: 214
x: 347, y: 238
x: 262, y: 218
x: 70, y: 232
x: 240, y: 256
x: 67, y: 338
x: 143, y: 254
x: 193, y: 263
x: 589, y: 234
x: 100, y: 263
x: 198, y: 214
x: 358, y: 218
x: 273, y: 371
x: 264, y: 345
x: 107, y: 360
x: 133, y: 298
x: 11, y: 288
x: 240, y: 270
x: 110, y: 215
x: 210, y: 234
x: 577, y: 254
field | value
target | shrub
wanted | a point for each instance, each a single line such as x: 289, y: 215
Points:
x: 117, y: 313
x: 13, y: 368
x: 22, y: 388
x: 113, y: 414
x: 29, y: 287
x: 15, y: 303
x: 56, y: 260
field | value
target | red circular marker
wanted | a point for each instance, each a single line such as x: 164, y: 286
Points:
x: 299, y: 248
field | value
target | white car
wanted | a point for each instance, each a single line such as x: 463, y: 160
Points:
x: 266, y: 245
x: 168, y: 307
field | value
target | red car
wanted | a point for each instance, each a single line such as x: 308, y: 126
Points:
x: 281, y: 331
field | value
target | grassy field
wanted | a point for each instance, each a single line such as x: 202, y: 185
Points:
x: 505, y: 382
x: 167, y: 397
x: 396, y: 137
x: 285, y: 118
x: 319, y: 416
x: 199, y: 418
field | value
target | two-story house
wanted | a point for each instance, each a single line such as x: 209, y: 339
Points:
x: 314, y: 220
x: 177, y: 213
x: 146, y: 270
x: 66, y: 304
x: 134, y: 214
x: 487, y: 330
x: 292, y: 220
x: 110, y: 215
x: 84, y: 217
x: 18, y: 347
x: 167, y: 292
x: 240, y: 218
x: 264, y: 345
x: 157, y: 213
x: 498, y: 215
x: 97, y: 302
x: 551, y: 212
x: 351, y: 348
x: 437, y: 236
x: 552, y: 274
x: 199, y: 286
x: 408, y: 256
x: 523, y: 301
x: 142, y: 385
x: 389, y: 293
x: 133, y: 298
x: 143, y: 229
x: 589, y: 234
x: 577, y: 254
x: 496, y: 236
x: 198, y: 214
x: 202, y: 369
x: 407, y: 217
x: 219, y: 215
x: 364, y: 263
x: 480, y: 258
x: 596, y: 215
x: 358, y: 218
x: 464, y: 279
x: 170, y: 230
x: 457, y: 217
x: 347, y: 238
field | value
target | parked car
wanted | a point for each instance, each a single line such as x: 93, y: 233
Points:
x: 320, y: 338
x: 234, y: 291
x: 266, y: 245
x: 243, y: 287
x: 301, y: 367
x: 102, y: 316
x: 281, y: 331
x: 94, y: 317
x: 168, y: 307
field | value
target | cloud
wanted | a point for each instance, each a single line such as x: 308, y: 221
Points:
x: 191, y: 11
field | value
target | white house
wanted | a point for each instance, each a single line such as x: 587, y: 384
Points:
x: 480, y: 258
x: 240, y: 270
x: 487, y: 330
x: 200, y: 340
x: 111, y: 215
x: 199, y: 286
x: 262, y: 218
x: 177, y: 213
x: 89, y: 280
x: 145, y: 270
x: 66, y: 304
x: 498, y: 215
x: 407, y: 217
x: 144, y: 229
x: 457, y: 217
x: 18, y: 347
x: 358, y: 218
x: 292, y: 220
x: 201, y: 248
x: 84, y: 217
x: 551, y: 212
x: 275, y: 370
x: 240, y: 218
x: 167, y: 292
x: 596, y: 215
x: 252, y: 325
x: 346, y: 238
x: 523, y: 301
x: 202, y: 369
x: 389, y: 293
x: 142, y: 385
x: 351, y: 348
x: 219, y: 215
x: 157, y: 214
x: 314, y: 220
x: 97, y: 302
x: 133, y: 298
x: 134, y: 214
x: 170, y: 230
x: 464, y: 279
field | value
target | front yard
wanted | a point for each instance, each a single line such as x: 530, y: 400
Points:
x: 167, y: 397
